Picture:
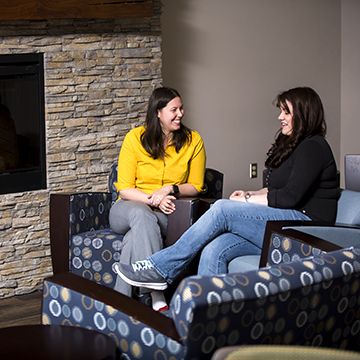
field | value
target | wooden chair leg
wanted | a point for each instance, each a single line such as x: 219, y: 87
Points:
x: 59, y: 232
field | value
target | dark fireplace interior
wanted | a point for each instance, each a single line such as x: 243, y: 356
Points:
x: 22, y: 123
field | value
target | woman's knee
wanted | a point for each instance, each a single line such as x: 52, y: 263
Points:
x: 124, y: 214
x: 129, y: 208
x: 219, y: 204
x: 225, y: 204
x: 218, y: 207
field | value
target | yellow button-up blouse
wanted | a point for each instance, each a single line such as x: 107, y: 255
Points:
x: 137, y: 169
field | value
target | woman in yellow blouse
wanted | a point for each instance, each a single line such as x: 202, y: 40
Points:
x: 158, y: 162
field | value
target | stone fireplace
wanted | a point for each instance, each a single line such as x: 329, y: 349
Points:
x: 99, y: 74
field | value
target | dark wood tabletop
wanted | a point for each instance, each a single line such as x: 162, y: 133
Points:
x: 55, y: 342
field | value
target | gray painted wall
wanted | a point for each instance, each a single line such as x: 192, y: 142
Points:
x: 350, y: 79
x: 230, y: 58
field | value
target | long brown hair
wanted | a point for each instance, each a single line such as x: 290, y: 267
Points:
x: 308, y: 120
x: 152, y: 137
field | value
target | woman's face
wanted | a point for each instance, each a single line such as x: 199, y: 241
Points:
x: 170, y: 116
x: 286, y: 119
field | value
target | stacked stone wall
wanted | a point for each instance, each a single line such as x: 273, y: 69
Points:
x: 99, y: 75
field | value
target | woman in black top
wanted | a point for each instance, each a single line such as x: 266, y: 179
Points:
x: 301, y: 184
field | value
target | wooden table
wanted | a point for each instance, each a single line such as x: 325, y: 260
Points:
x: 55, y: 342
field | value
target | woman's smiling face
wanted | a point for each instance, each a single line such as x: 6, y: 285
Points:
x: 286, y: 118
x: 170, y: 116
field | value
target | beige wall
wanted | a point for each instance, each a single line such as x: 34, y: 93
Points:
x: 230, y: 58
x: 350, y: 78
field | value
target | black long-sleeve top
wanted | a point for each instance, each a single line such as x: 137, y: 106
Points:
x: 306, y: 181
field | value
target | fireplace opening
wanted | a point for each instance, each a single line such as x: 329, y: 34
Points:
x: 22, y: 123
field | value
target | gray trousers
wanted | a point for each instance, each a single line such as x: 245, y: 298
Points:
x: 143, y: 230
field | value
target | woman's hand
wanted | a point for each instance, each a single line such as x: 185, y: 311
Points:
x: 239, y: 195
x: 255, y: 197
x: 166, y: 205
x: 157, y: 196
x: 163, y: 200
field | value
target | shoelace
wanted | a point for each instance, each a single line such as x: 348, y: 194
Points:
x: 142, y: 265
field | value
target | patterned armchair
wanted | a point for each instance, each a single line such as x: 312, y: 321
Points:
x: 312, y: 301
x: 82, y: 241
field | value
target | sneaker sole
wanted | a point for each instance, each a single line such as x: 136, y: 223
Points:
x: 153, y: 286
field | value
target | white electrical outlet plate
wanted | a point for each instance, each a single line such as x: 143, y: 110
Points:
x: 253, y: 170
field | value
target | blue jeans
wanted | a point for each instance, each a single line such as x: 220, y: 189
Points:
x: 228, y: 229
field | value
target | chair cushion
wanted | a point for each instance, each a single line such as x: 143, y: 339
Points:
x: 242, y: 264
x: 349, y: 208
x: 93, y: 255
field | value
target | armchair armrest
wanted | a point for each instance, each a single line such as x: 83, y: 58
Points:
x: 124, y: 304
x: 344, y: 235
x: 188, y: 210
x: 63, y: 222
x: 204, y: 205
x: 181, y: 219
x: 293, y: 230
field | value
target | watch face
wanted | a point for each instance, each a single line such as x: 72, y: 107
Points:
x: 175, y: 189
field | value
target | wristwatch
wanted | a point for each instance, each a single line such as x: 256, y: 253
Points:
x: 175, y: 190
x: 247, y: 197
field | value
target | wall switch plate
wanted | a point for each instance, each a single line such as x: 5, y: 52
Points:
x: 253, y: 170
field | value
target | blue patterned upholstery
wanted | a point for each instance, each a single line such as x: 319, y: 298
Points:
x: 299, y: 303
x: 312, y: 302
x: 93, y: 255
x: 93, y: 252
x: 111, y: 182
x: 213, y: 184
x: 284, y: 250
x: 93, y: 247
x: 63, y: 305
x: 89, y: 211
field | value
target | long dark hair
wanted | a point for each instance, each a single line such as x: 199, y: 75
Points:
x: 308, y: 120
x: 152, y: 137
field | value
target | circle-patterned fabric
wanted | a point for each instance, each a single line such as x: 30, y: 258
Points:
x: 93, y: 253
x: 313, y: 302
